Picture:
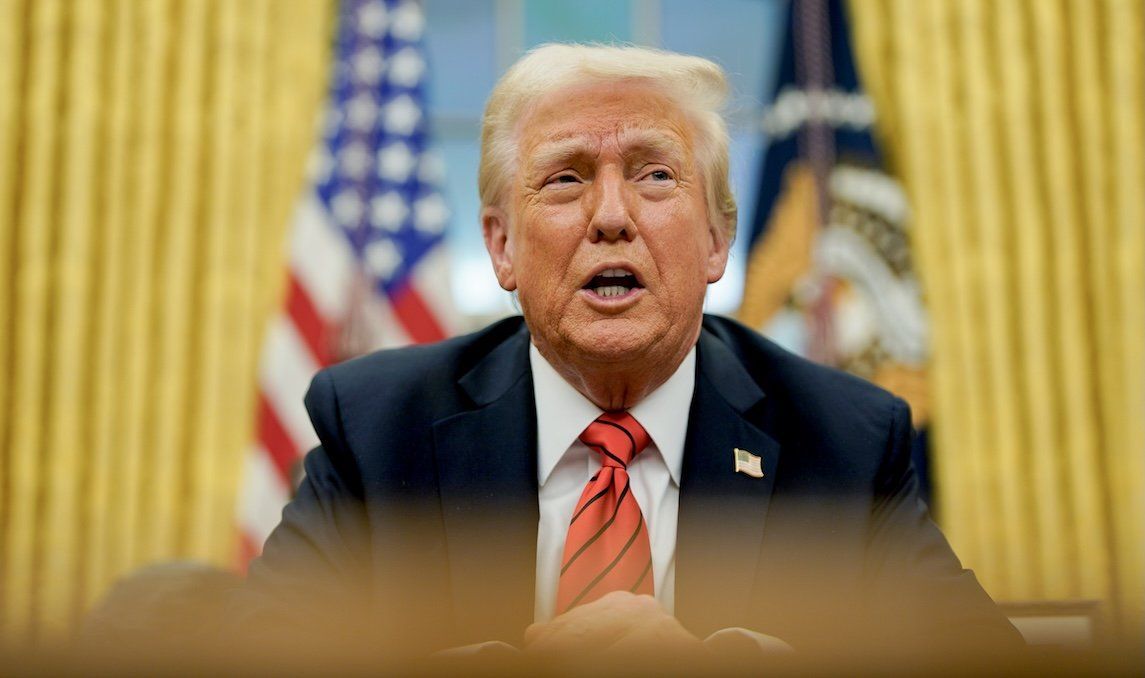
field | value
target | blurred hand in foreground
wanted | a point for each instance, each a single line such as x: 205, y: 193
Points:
x: 619, y: 623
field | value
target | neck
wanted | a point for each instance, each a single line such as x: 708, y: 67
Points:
x: 616, y: 385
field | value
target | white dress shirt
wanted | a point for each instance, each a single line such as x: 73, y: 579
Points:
x: 564, y: 466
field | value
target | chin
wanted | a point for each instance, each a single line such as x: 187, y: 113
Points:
x: 613, y: 341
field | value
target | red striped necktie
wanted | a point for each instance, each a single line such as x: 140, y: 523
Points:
x: 607, y: 546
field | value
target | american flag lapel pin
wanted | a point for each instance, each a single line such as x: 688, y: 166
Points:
x: 747, y: 463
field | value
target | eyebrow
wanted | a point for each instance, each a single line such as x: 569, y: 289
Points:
x: 557, y: 152
x: 635, y: 140
x: 652, y: 141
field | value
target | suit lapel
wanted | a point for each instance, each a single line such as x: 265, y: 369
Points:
x: 487, y: 473
x: 722, y: 512
x: 486, y: 461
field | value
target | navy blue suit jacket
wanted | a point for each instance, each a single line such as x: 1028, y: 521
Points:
x: 419, y: 509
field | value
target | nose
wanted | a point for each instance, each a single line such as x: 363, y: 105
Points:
x: 609, y: 216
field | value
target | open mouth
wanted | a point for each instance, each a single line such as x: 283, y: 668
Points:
x: 613, y: 282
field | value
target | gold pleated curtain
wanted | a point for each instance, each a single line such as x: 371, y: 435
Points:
x: 1018, y: 128
x: 151, y: 152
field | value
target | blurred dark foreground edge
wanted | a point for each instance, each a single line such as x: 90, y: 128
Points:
x: 176, y: 661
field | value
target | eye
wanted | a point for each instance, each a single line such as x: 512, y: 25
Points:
x: 657, y: 174
x: 564, y: 178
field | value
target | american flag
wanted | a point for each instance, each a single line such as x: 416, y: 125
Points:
x: 366, y: 267
x: 746, y: 462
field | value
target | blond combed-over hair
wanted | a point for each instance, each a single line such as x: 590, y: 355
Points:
x: 698, y: 86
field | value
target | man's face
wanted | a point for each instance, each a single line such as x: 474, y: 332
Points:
x: 605, y: 233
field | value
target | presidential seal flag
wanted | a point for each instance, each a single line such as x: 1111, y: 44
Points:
x: 367, y: 264
x: 830, y: 273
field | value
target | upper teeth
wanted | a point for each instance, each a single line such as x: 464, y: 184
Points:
x: 614, y: 273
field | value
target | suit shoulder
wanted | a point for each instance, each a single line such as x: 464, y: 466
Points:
x: 806, y: 385
x: 411, y: 371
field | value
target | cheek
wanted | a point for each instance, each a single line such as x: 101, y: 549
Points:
x: 550, y: 217
x: 681, y: 247
x: 676, y: 227
x: 553, y: 233
x: 681, y: 213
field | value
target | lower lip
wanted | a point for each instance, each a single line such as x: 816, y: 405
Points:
x: 616, y: 303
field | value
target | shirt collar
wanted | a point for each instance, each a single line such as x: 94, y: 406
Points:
x: 563, y: 413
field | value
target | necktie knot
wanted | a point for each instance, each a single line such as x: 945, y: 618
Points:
x: 617, y: 436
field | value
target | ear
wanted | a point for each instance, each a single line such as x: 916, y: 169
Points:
x: 718, y: 254
x: 499, y: 243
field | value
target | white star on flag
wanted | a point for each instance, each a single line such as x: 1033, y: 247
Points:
x: 362, y: 112
x: 406, y: 68
x: 354, y: 160
x: 430, y: 214
x: 402, y: 115
x: 383, y: 257
x: 372, y: 19
x: 389, y: 211
x: 369, y: 65
x: 407, y: 22
x: 395, y: 162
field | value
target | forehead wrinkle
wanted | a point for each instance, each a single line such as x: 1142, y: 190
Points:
x: 632, y: 139
x: 560, y: 149
x: 654, y: 140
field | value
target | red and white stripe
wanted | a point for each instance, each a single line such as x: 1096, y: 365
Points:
x: 304, y: 337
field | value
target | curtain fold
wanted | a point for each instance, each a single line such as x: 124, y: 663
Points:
x: 1018, y: 129
x: 150, y: 156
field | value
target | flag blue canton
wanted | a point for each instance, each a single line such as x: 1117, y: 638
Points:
x: 377, y: 177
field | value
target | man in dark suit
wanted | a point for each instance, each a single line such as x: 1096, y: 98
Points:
x: 614, y: 468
